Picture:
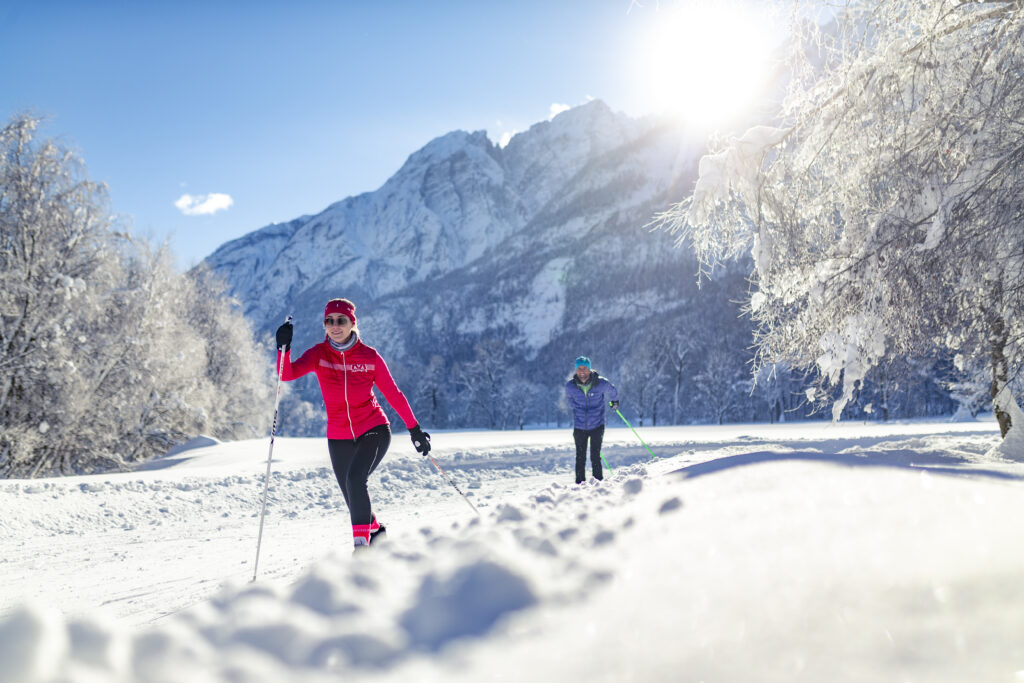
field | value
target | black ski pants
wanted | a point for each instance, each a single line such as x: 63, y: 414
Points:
x: 353, y: 461
x: 595, y: 435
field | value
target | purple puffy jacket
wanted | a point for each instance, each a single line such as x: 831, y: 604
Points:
x: 588, y: 407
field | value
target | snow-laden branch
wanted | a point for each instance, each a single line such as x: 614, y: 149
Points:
x: 883, y: 214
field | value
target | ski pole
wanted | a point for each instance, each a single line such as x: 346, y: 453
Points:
x: 606, y: 465
x: 270, y: 453
x: 634, y: 433
x: 453, y: 485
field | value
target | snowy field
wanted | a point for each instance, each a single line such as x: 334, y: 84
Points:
x: 794, y: 552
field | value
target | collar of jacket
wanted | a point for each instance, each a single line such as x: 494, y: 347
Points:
x: 351, y: 344
x: 592, y: 381
x: 327, y: 345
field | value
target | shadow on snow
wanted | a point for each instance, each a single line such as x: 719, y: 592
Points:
x: 934, y: 462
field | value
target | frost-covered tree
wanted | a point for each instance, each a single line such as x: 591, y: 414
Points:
x: 235, y: 369
x: 429, y: 396
x: 722, y: 387
x: 641, y: 381
x: 773, y: 392
x: 674, y: 343
x: 884, y: 210
x: 107, y: 354
x: 490, y: 387
x: 55, y: 259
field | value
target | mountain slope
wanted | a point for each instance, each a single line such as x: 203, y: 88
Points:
x: 532, y: 250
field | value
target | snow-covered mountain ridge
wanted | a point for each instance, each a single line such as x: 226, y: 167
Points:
x: 538, y: 244
x: 451, y: 201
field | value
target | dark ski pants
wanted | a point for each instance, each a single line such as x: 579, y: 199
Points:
x: 595, y: 435
x: 353, y: 461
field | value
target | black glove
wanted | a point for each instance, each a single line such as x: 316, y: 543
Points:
x: 614, y: 405
x: 284, y: 336
x: 420, y: 439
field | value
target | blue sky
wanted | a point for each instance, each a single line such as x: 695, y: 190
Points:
x: 286, y: 107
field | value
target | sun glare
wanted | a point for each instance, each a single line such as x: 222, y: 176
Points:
x: 705, y: 62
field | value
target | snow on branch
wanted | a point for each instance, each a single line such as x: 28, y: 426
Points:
x: 883, y: 215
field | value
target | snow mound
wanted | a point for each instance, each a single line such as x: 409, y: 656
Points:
x: 466, y: 603
x: 373, y: 611
x: 33, y: 644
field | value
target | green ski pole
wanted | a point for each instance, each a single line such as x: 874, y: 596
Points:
x: 634, y: 432
x: 606, y: 465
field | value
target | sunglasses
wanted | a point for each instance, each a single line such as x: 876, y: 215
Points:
x: 335, y: 321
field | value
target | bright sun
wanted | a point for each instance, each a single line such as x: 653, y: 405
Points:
x: 706, y: 61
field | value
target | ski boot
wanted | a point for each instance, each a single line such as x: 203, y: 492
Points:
x: 378, y: 532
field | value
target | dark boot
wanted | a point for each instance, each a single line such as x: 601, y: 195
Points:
x: 378, y: 532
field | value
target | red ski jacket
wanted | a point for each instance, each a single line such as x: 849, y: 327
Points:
x: 346, y: 380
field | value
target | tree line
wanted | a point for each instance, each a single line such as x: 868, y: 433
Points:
x: 687, y: 364
x: 108, y: 354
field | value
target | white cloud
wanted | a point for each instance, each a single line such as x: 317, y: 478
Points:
x: 203, y: 204
x: 506, y: 137
x: 557, y: 109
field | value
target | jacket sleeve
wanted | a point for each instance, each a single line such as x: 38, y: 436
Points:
x: 612, y: 394
x: 303, y: 366
x: 396, y: 399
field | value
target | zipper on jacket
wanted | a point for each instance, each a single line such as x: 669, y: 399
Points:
x: 586, y: 404
x: 348, y: 410
x: 586, y: 408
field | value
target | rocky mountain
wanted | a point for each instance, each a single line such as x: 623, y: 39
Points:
x: 481, y: 271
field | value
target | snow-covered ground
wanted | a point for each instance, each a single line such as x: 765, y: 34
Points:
x: 793, y: 552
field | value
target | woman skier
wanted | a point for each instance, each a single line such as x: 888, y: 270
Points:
x: 358, y: 431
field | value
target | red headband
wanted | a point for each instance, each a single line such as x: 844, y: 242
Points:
x: 343, y: 307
